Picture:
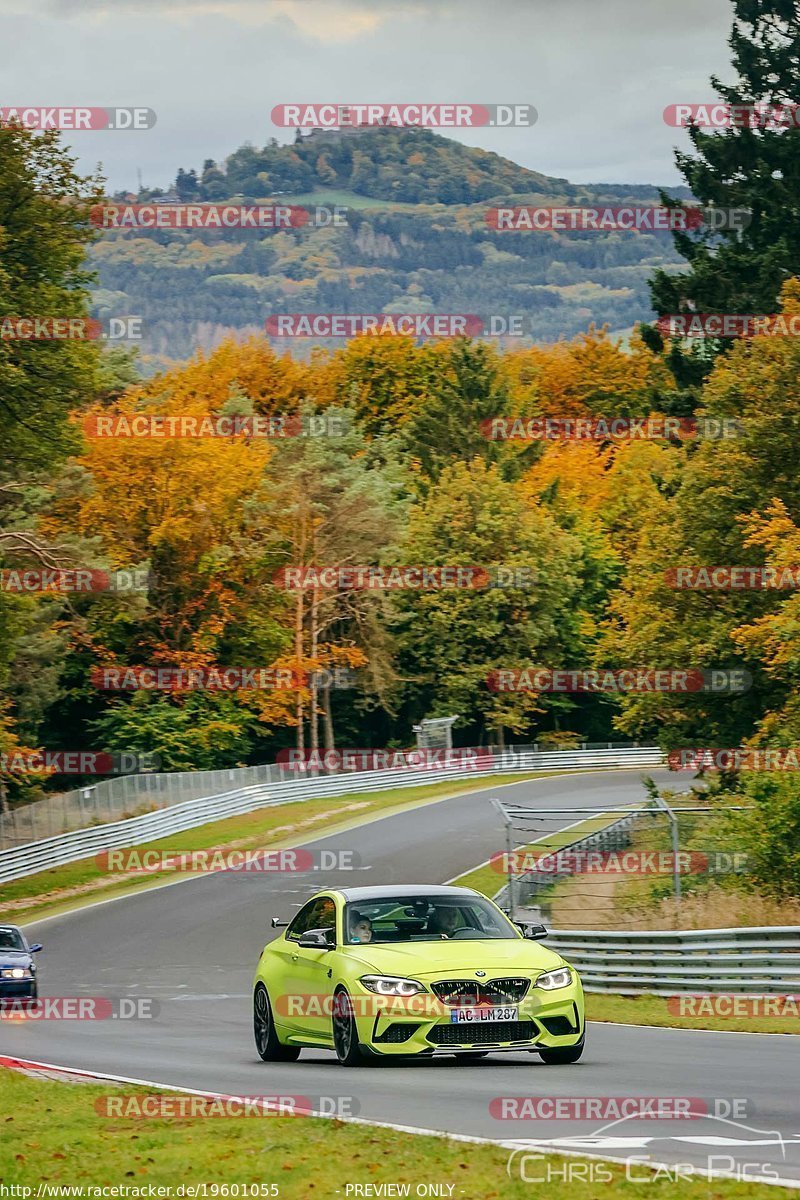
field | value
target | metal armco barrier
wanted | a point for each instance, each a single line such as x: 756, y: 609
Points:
x: 35, y: 856
x: 757, y: 961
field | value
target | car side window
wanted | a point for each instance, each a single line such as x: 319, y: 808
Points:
x: 302, y: 921
x: 325, y: 918
x: 317, y: 914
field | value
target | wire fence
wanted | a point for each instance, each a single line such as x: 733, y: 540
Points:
x: 616, y: 868
x: 129, y: 796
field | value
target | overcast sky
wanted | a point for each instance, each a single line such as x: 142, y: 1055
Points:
x: 600, y: 72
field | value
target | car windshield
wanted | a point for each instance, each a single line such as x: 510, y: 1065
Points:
x: 424, y: 919
x: 10, y: 939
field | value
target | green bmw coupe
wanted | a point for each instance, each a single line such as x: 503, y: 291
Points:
x: 413, y: 970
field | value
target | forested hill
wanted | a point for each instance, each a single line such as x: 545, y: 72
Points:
x: 413, y: 166
x: 416, y: 240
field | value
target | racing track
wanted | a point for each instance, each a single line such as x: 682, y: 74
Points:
x: 194, y: 945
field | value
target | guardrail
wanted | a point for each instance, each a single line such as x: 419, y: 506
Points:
x: 126, y: 796
x: 31, y: 857
x: 754, y: 961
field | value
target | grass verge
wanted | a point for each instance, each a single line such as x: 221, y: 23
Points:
x: 64, y: 888
x: 54, y: 1136
x: 654, y: 1010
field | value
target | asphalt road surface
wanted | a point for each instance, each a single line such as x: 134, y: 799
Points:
x: 193, y: 947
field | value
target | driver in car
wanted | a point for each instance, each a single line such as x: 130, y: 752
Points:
x: 443, y: 920
x: 360, y: 928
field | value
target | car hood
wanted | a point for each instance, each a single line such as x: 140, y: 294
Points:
x: 15, y: 958
x: 426, y: 960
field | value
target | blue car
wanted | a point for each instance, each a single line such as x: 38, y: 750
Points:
x: 17, y: 968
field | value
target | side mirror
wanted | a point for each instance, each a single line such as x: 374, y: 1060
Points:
x: 314, y: 939
x: 36, y: 947
x: 535, y: 932
x: 277, y: 923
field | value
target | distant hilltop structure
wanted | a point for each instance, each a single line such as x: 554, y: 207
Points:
x: 341, y: 132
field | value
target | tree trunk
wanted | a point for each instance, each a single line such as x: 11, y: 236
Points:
x: 314, y: 714
x: 298, y: 653
x: 299, y: 615
x: 327, y: 719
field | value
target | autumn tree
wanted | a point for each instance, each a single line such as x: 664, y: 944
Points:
x: 333, y: 501
x: 732, y: 503
x: 752, y: 166
x: 453, y: 638
x: 44, y: 232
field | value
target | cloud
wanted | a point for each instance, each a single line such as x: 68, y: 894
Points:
x: 599, y: 75
x: 325, y: 20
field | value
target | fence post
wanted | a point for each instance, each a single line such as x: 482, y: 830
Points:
x: 673, y: 821
x: 509, y: 855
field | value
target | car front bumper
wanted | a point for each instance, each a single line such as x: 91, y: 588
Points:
x: 12, y: 989
x: 546, y: 1020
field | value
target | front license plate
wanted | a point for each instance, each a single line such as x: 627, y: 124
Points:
x: 477, y: 1016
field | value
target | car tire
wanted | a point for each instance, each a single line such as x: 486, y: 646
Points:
x: 268, y: 1044
x: 345, y: 1031
x: 560, y: 1055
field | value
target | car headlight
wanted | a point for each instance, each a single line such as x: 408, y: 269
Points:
x: 391, y: 985
x: 16, y: 973
x: 552, y: 980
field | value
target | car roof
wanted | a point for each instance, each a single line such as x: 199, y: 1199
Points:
x: 404, y: 891
x: 13, y: 928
